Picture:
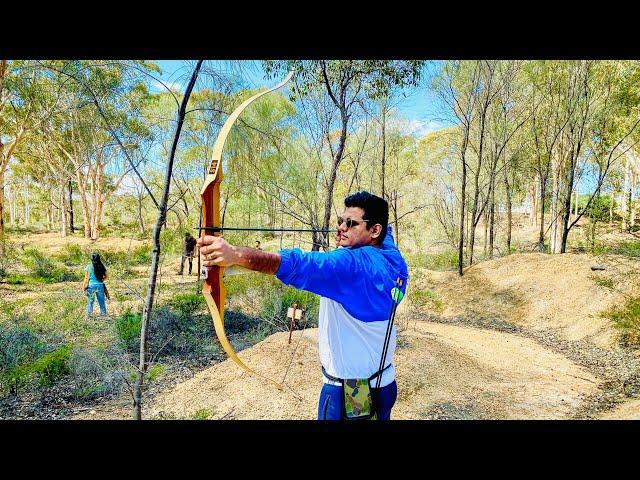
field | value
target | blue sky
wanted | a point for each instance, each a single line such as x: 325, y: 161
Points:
x: 418, y: 108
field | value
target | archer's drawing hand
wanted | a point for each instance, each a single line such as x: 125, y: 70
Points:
x: 217, y: 252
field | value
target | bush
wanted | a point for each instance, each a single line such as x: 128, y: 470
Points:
x: 427, y: 298
x: 19, y: 347
x: 8, y: 256
x: 38, y: 265
x: 446, y: 260
x: 186, y: 303
x: 51, y: 366
x: 627, y: 320
x: 98, y: 372
x: 41, y: 268
x: 181, y: 333
x: 127, y: 328
x: 274, y: 310
x: 628, y: 249
x: 24, y: 356
x: 156, y: 371
x: 72, y: 254
x: 203, y: 414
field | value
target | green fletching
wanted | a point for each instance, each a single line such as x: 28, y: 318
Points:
x: 396, y: 294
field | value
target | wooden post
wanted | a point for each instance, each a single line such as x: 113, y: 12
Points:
x: 294, y: 313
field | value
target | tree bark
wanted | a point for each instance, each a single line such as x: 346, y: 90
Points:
x: 328, y: 203
x: 508, y: 207
x: 72, y: 227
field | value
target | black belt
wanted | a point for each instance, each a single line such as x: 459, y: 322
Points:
x: 336, y: 379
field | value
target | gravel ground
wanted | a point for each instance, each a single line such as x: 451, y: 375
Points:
x: 618, y: 368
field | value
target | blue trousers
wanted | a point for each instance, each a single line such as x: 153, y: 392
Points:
x: 330, y: 403
x: 96, y: 291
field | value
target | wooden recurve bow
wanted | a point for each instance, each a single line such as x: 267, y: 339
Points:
x: 213, y: 287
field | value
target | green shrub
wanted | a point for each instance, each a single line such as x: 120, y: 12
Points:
x: 51, y: 366
x: 98, y: 372
x: 24, y: 356
x: 140, y: 255
x: 8, y: 256
x: 43, y: 269
x: 627, y: 319
x: 72, y: 254
x: 274, y: 307
x: 628, y: 249
x: 17, y: 279
x: 241, y: 284
x: 19, y: 347
x: 172, y: 241
x: 186, y: 303
x: 156, y: 371
x: 446, y: 260
x: 203, y: 414
x: 181, y: 333
x: 127, y: 328
x: 604, y: 282
x: 428, y: 299
x: 38, y: 264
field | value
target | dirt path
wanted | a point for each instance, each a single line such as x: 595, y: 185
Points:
x: 509, y: 340
x: 443, y: 372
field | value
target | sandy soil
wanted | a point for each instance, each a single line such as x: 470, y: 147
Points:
x: 443, y: 372
x: 539, y: 291
x: 626, y: 411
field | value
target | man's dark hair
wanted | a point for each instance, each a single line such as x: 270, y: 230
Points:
x: 376, y: 210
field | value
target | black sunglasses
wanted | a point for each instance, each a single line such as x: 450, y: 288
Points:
x: 350, y: 223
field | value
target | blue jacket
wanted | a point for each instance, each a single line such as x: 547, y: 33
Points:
x: 360, y: 279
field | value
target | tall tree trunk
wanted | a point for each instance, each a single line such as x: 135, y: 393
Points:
x: 611, y: 204
x: 624, y: 204
x: 507, y: 187
x: 543, y: 193
x: 492, y: 209
x: 566, y: 214
x: 72, y: 227
x: 632, y: 193
x: 155, y: 259
x: 63, y: 211
x: 1, y: 205
x: 485, y: 242
x: 463, y: 201
x: 384, y: 148
x: 328, y: 203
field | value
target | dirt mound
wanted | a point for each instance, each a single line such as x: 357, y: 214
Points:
x: 519, y: 380
x: 539, y: 291
x: 626, y: 411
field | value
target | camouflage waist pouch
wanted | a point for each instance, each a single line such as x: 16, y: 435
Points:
x: 357, y: 400
x: 358, y: 404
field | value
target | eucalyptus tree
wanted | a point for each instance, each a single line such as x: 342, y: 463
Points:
x: 347, y: 84
x: 102, y: 128
x: 24, y: 105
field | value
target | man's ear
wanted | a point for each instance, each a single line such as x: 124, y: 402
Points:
x: 375, y: 230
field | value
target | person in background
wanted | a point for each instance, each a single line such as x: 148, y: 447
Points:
x: 95, y: 273
x: 187, y: 252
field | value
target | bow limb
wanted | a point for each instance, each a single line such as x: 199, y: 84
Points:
x: 213, y: 287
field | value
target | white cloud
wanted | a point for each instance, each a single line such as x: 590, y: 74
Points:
x: 156, y: 85
x: 421, y: 128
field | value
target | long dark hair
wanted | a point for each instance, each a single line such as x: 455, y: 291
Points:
x: 99, y: 270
